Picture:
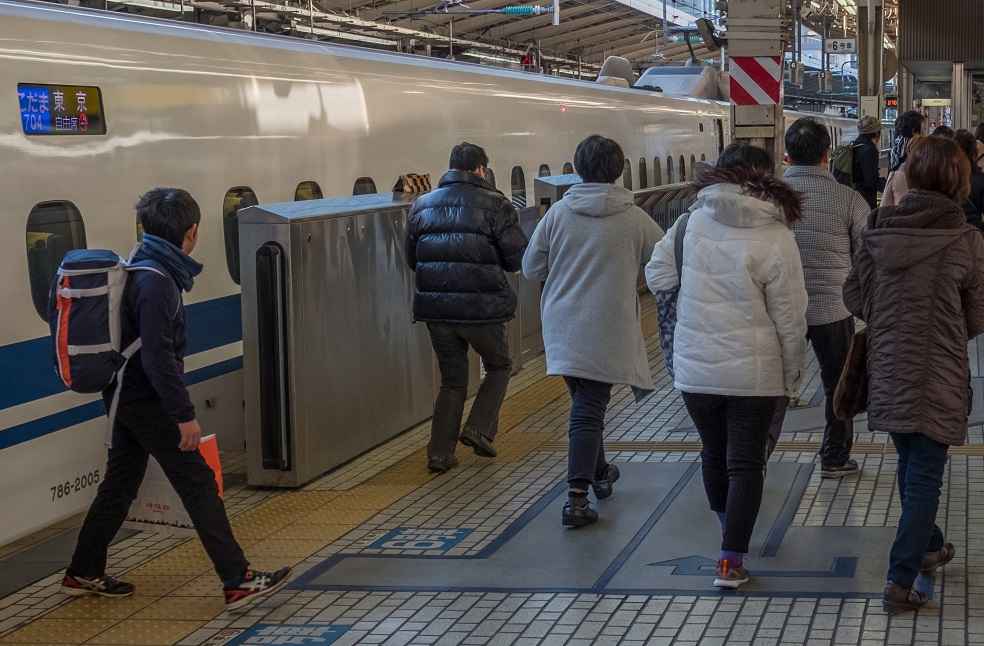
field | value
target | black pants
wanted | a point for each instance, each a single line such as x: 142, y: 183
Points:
x: 586, y: 452
x: 143, y: 429
x: 451, y: 346
x: 734, y: 431
x: 831, y: 343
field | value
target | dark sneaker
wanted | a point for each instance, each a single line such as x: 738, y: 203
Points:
x: 849, y: 468
x: 603, y: 486
x: 578, y: 512
x: 441, y: 465
x: 478, y: 442
x: 933, y: 561
x: 255, y: 586
x: 104, y: 586
x: 729, y: 577
x: 897, y: 599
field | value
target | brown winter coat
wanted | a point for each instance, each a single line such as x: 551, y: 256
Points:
x: 918, y: 283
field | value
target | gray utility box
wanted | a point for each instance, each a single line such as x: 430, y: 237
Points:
x: 547, y: 190
x: 333, y: 364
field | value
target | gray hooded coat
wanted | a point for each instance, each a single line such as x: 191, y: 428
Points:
x: 918, y: 283
x: 588, y: 249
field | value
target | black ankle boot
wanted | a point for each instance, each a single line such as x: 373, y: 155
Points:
x: 578, y: 511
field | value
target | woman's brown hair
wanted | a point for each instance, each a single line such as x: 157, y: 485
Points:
x: 937, y: 164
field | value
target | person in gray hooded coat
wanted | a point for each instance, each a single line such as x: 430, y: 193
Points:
x: 589, y: 249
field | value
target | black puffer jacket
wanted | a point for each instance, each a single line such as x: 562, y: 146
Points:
x: 462, y: 238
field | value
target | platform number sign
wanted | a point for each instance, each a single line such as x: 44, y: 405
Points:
x: 841, y: 46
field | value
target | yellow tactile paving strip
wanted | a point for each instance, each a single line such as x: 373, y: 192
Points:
x: 177, y: 591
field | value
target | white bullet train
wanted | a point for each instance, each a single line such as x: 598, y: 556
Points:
x: 97, y: 107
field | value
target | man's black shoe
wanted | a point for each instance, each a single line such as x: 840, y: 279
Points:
x: 441, y: 465
x: 849, y: 468
x: 478, y: 442
x: 603, y: 487
x: 578, y: 511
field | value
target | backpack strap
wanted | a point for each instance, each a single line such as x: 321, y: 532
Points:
x: 128, y: 351
x: 681, y: 230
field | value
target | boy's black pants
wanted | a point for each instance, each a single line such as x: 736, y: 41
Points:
x: 142, y: 429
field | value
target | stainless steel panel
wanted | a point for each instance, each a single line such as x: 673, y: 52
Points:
x: 358, y: 370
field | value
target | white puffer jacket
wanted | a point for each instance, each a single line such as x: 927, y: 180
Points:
x: 741, y: 317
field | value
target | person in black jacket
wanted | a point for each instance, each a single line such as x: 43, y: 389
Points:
x: 462, y: 239
x: 974, y: 206
x: 867, y: 181
x: 155, y: 415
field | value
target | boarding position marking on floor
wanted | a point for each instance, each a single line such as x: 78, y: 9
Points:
x: 413, y: 538
x: 656, y: 535
x: 268, y: 634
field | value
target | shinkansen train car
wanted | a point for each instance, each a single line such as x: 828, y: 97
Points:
x: 98, y: 107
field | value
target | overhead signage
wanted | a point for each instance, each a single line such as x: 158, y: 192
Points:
x: 936, y: 103
x: 60, y: 109
x: 840, y: 46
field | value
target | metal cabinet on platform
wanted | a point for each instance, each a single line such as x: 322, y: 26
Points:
x: 333, y: 364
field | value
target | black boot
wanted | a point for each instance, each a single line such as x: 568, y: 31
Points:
x: 578, y: 511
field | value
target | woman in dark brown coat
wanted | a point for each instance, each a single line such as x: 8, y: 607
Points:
x: 918, y: 283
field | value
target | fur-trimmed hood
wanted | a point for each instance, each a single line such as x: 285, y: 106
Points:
x: 763, y: 192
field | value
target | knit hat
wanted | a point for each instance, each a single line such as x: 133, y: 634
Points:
x: 868, y: 125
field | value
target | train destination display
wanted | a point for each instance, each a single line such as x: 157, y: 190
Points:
x: 61, y: 109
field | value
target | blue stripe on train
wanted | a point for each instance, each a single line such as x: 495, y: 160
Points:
x: 85, y: 412
x: 26, y: 371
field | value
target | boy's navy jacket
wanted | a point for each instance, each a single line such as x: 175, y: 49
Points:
x: 154, y: 310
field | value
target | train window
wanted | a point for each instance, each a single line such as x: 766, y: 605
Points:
x: 627, y: 175
x: 518, y: 187
x: 683, y: 169
x: 568, y: 168
x: 669, y: 170
x: 703, y: 157
x: 643, y: 173
x: 236, y: 199
x: 693, y: 168
x: 364, y: 186
x: 544, y: 171
x: 307, y: 191
x: 53, y: 229
x: 719, y: 127
x: 700, y: 127
x: 657, y: 173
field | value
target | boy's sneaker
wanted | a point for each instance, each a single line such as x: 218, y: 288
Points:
x: 603, y: 487
x: 729, y: 577
x: 254, y: 586
x: 933, y: 561
x: 897, y: 599
x: 104, y: 586
x: 849, y: 468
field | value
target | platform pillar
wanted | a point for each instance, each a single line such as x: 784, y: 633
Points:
x: 871, y: 26
x: 756, y: 44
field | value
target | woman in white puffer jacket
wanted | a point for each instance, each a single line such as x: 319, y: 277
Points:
x: 740, y: 337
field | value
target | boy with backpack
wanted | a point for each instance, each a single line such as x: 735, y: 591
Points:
x: 856, y: 164
x: 147, y: 401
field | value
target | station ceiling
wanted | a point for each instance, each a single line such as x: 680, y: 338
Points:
x: 589, y: 30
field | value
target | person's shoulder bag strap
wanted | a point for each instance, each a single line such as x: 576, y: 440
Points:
x: 681, y: 230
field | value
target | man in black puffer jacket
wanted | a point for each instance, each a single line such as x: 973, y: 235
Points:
x: 462, y: 238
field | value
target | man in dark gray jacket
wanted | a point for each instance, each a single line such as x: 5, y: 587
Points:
x: 828, y: 233
x: 462, y: 239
